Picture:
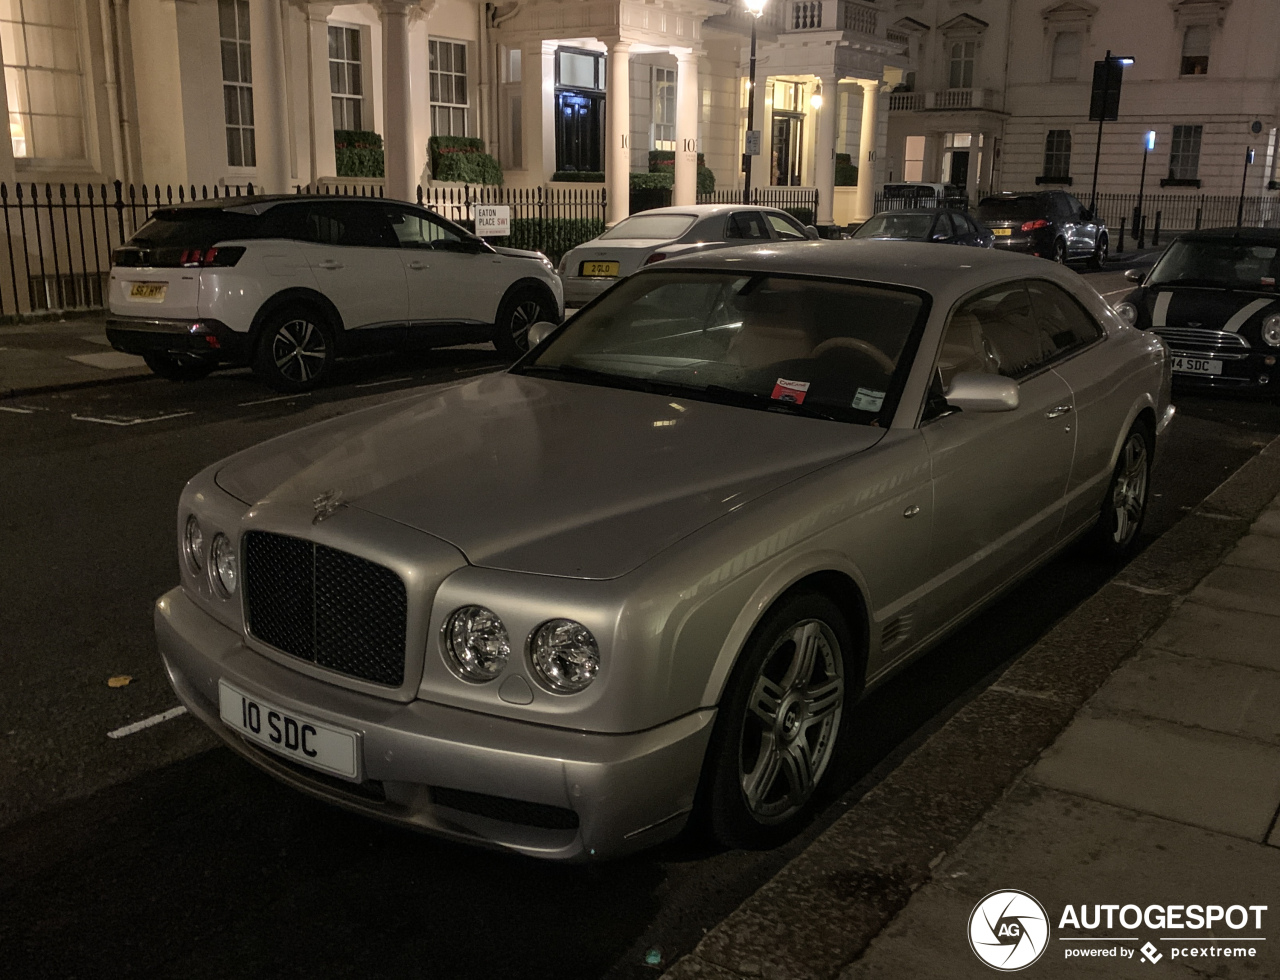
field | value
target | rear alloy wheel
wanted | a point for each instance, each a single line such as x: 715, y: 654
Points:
x: 1060, y: 252
x: 295, y: 351
x: 520, y: 310
x: 1099, y: 257
x: 1125, y: 505
x: 781, y: 726
x: 179, y: 367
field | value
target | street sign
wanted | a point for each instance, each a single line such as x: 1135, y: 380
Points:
x: 493, y: 220
x: 1104, y: 100
x: 753, y: 142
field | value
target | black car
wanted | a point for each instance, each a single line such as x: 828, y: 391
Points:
x: 1212, y: 297
x: 1051, y: 224
x: 943, y: 225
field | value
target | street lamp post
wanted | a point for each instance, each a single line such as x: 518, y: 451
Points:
x: 1102, y: 115
x: 1244, y: 179
x: 756, y: 9
x: 1139, y: 230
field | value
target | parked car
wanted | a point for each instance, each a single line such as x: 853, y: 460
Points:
x: 288, y: 283
x: 1051, y: 224
x: 655, y: 566
x: 651, y: 236
x: 920, y: 194
x: 1212, y: 298
x: 944, y: 225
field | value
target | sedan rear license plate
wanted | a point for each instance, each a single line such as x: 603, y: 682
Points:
x: 1002, y: 231
x: 599, y: 270
x: 288, y: 733
x: 1196, y: 365
x: 148, y: 292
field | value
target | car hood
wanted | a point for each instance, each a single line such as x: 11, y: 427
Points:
x: 544, y: 476
x: 1169, y: 305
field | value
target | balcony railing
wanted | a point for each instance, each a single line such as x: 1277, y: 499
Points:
x: 948, y: 98
x: 906, y: 101
x: 834, y: 15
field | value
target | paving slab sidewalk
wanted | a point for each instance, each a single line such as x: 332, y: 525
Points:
x: 1146, y: 774
x: 51, y: 355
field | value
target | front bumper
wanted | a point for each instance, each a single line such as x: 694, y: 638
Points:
x: 541, y: 791
x: 578, y: 291
x: 1242, y: 373
x: 200, y: 336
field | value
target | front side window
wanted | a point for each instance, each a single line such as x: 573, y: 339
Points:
x: 448, y: 78
x: 962, y: 55
x: 995, y: 331
x: 1065, y: 323
x: 829, y: 348
x: 1057, y: 154
x: 747, y: 224
x: 417, y: 229
x: 40, y: 45
x: 345, y: 81
x: 237, y: 82
x: 349, y: 226
x: 1184, y: 154
x: 1195, y: 50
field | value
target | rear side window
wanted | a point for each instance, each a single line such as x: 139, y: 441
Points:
x: 195, y: 228
x: 746, y: 224
x: 1066, y: 325
x: 995, y: 331
x: 348, y: 225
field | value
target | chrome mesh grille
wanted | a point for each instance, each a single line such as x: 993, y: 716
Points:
x: 1200, y: 339
x: 332, y: 608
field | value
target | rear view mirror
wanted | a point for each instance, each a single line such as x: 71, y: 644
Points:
x: 1135, y: 275
x: 539, y: 332
x: 974, y: 391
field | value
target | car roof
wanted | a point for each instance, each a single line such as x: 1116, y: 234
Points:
x: 262, y: 202
x: 1266, y: 236
x: 702, y: 210
x: 916, y: 211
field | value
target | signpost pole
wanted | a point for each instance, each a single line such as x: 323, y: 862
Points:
x: 1102, y: 114
x: 1244, y: 180
x: 1139, y: 228
x: 751, y: 106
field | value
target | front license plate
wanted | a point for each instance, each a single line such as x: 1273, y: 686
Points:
x: 1002, y: 231
x: 288, y: 733
x: 1196, y: 365
x: 148, y: 292
x: 599, y: 270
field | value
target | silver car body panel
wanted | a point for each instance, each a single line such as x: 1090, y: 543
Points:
x: 542, y: 499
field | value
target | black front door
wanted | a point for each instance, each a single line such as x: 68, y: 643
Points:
x: 959, y: 168
x: 579, y: 130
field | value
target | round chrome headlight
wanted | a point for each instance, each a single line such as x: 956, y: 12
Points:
x: 1127, y: 312
x: 193, y: 543
x: 1271, y: 330
x: 564, y: 656
x: 477, y: 643
x: 223, y: 567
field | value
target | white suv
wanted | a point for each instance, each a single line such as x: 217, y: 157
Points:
x: 286, y: 284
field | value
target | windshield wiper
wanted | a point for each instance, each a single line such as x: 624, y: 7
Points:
x: 754, y: 399
x: 574, y: 372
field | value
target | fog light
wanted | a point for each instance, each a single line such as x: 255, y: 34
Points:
x: 1269, y: 361
x: 1263, y: 379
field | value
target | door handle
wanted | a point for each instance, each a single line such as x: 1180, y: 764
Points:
x: 329, y: 264
x: 418, y: 265
x: 911, y: 511
x: 1053, y: 413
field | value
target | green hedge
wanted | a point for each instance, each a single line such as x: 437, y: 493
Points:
x: 462, y: 158
x: 846, y: 172
x: 553, y: 236
x: 660, y: 179
x: 358, y: 153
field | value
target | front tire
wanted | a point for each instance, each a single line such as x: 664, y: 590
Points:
x: 520, y: 310
x: 782, y: 724
x: 179, y: 367
x: 1099, y: 257
x: 1059, y: 252
x: 1115, y: 536
x: 296, y: 350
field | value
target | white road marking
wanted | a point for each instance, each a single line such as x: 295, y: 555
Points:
x: 118, y: 421
x: 138, y: 726
x: 1238, y: 321
x: 374, y: 384
x: 16, y: 411
x: 278, y: 398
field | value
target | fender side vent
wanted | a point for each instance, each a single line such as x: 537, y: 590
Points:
x: 896, y: 632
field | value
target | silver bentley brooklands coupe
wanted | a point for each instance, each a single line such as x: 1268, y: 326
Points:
x: 650, y: 571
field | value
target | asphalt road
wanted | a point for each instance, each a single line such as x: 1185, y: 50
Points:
x: 161, y: 854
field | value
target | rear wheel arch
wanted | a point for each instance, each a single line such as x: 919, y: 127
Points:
x: 295, y: 297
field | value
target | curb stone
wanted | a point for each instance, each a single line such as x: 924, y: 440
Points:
x: 823, y: 909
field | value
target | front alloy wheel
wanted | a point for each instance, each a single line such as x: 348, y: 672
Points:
x: 520, y: 311
x: 1060, y: 252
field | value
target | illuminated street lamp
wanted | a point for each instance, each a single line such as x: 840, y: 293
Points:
x: 1148, y: 144
x: 756, y: 9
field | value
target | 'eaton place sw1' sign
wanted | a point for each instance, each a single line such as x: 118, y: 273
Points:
x: 493, y: 220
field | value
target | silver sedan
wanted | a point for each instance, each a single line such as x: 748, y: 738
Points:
x: 656, y: 565
x: 662, y: 233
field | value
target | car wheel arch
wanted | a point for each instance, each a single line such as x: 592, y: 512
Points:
x: 299, y: 295
x: 528, y: 282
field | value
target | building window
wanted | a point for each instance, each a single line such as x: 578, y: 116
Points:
x: 1057, y: 154
x: 913, y: 159
x: 345, y: 80
x: 1066, y: 56
x: 664, y: 108
x: 237, y: 82
x: 448, y: 72
x: 40, y: 45
x: 512, y: 144
x: 962, y: 55
x: 1195, y: 50
x: 1184, y: 155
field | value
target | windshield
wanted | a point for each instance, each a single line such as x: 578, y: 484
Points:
x: 658, y: 227
x: 896, y: 226
x: 831, y: 349
x: 1012, y: 208
x: 1220, y: 263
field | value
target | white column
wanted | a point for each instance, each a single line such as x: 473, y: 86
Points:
x: 274, y: 165
x: 824, y: 150
x: 323, y: 163
x: 865, y: 199
x: 617, y: 156
x: 397, y: 138
x: 685, y: 191
x: 973, y: 178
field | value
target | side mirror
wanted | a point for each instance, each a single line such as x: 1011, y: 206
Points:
x: 1135, y: 275
x: 539, y: 332
x: 974, y: 391
x: 812, y: 232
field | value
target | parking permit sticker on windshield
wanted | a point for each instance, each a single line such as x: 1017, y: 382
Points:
x: 868, y: 400
x: 1268, y: 280
x: 790, y: 391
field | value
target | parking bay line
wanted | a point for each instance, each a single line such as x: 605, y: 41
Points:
x: 138, y: 726
x: 374, y: 384
x: 133, y: 421
x: 277, y: 398
x: 17, y: 411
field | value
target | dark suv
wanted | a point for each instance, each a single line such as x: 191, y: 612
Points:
x: 1051, y: 224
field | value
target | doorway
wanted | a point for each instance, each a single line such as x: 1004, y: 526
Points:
x: 788, y: 139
